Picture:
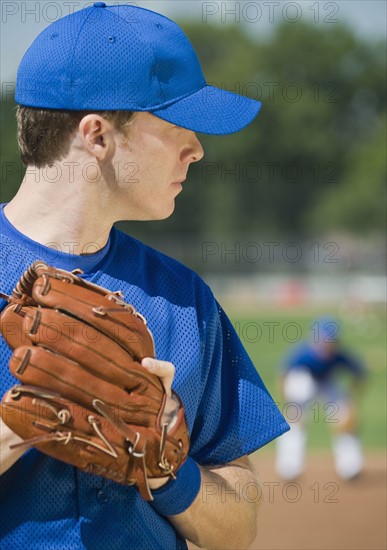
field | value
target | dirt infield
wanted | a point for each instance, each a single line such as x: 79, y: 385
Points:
x: 321, y: 512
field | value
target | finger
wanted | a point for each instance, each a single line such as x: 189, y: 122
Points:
x: 163, y: 369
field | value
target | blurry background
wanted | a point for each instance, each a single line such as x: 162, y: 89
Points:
x: 285, y: 220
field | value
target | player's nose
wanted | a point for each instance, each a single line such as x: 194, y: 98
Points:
x: 192, y: 151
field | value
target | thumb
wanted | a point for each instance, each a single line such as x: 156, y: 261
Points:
x: 163, y: 369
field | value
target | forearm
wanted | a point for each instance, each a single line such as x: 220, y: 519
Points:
x: 8, y: 456
x: 224, y: 513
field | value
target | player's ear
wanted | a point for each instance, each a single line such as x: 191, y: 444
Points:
x: 97, y: 136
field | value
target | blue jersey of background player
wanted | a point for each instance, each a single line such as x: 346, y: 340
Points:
x: 322, y: 369
x: 324, y: 356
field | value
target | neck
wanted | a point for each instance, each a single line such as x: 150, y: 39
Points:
x: 64, y: 215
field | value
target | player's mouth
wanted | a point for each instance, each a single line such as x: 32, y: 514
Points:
x: 179, y: 183
x: 177, y: 186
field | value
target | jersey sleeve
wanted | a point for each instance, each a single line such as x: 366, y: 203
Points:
x: 298, y: 358
x: 354, y: 365
x: 236, y: 414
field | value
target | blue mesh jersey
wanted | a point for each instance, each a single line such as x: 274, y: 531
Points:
x: 46, y: 504
x: 322, y: 368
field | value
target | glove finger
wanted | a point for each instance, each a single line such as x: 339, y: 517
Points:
x: 89, y: 347
x: 66, y: 431
x: 116, y: 320
x: 36, y: 366
x: 11, y: 325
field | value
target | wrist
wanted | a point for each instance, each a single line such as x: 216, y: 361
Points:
x: 175, y: 496
x: 157, y: 483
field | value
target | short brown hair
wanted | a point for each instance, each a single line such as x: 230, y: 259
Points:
x: 44, y: 135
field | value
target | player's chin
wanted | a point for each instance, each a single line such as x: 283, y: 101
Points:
x: 162, y: 213
x: 168, y: 213
x: 159, y: 209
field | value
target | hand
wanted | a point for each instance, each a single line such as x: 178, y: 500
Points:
x: 9, y: 456
x: 166, y: 372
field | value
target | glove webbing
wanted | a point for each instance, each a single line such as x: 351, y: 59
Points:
x: 136, y: 448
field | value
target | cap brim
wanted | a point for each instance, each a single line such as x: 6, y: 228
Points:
x: 211, y: 111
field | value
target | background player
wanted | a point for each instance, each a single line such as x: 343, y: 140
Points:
x: 322, y: 369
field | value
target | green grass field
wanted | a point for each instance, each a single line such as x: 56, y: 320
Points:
x: 270, y: 334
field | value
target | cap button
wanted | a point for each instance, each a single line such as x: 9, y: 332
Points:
x: 99, y: 5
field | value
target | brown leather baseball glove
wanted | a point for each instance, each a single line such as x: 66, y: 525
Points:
x: 84, y: 397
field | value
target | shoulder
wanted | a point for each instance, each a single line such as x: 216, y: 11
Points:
x: 302, y: 349
x: 157, y: 273
x: 301, y: 353
x: 130, y: 246
x: 14, y: 260
x: 351, y: 361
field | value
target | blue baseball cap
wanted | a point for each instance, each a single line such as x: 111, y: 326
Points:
x: 123, y: 57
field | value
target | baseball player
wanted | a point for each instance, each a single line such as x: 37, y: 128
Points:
x: 321, y: 369
x: 109, y: 100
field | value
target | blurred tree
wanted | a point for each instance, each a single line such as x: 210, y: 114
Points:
x: 359, y: 204
x: 311, y: 121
